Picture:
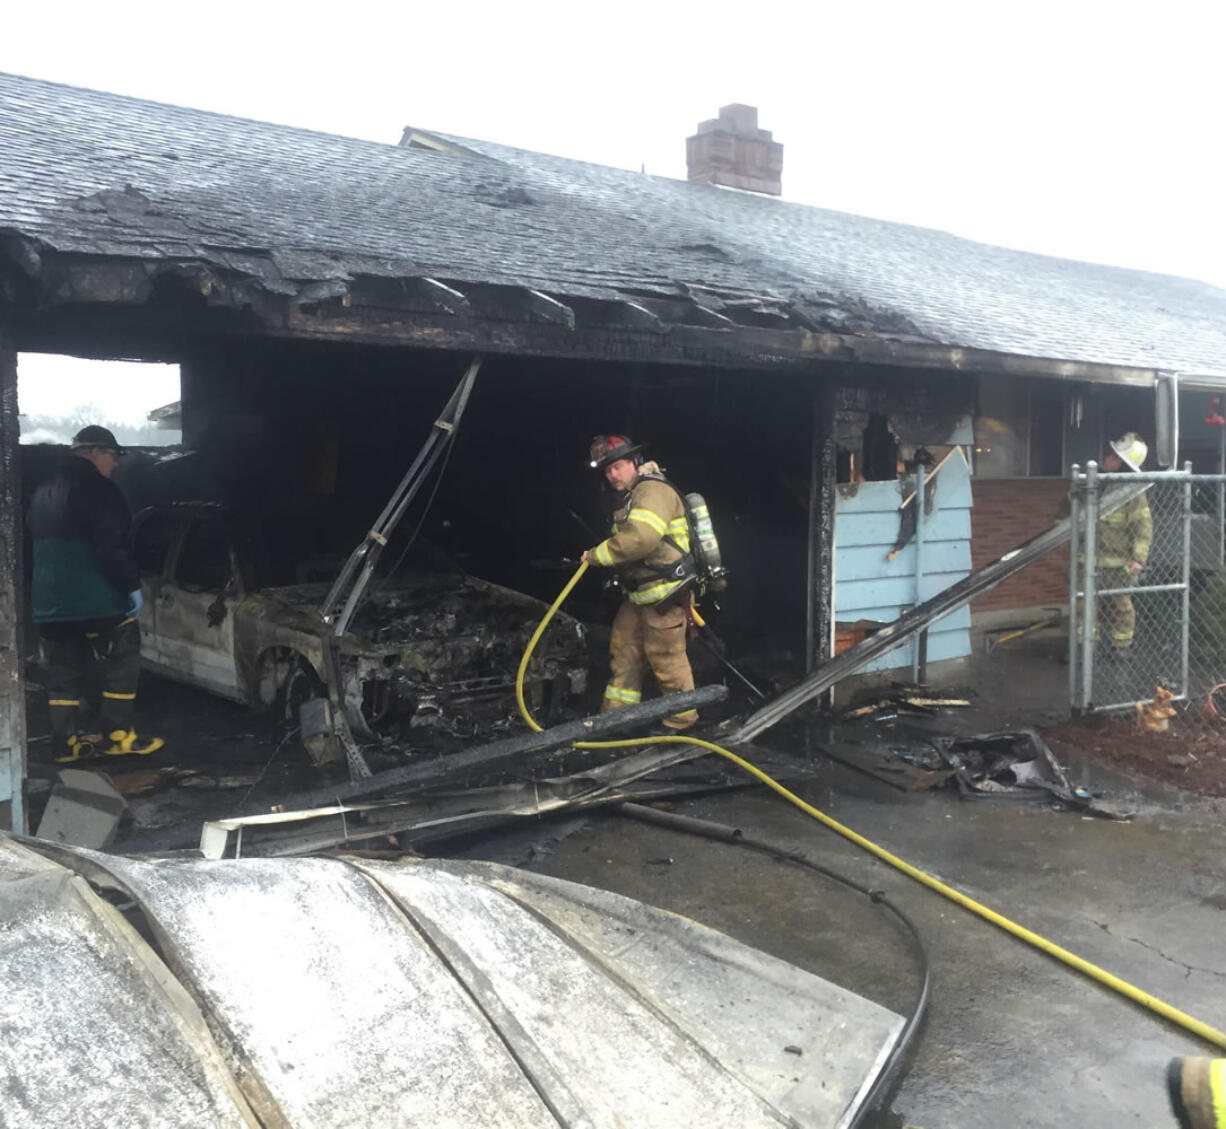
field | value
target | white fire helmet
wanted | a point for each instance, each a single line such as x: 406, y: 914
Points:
x: 1131, y: 448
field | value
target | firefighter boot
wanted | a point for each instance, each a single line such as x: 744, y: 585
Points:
x: 81, y: 746
x: 1197, y: 1088
x: 124, y: 742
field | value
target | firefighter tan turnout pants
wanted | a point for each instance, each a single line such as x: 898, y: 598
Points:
x: 1117, y: 616
x: 647, y: 636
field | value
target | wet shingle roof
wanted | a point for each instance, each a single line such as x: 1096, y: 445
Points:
x: 97, y: 173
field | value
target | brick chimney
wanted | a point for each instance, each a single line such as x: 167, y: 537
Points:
x: 732, y: 150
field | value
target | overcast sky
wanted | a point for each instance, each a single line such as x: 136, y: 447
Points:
x: 1082, y: 129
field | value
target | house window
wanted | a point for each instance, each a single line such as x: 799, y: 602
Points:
x: 1019, y: 428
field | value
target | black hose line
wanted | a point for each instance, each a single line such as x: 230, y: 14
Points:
x: 723, y: 833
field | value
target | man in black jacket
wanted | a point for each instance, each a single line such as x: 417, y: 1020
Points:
x: 86, y: 596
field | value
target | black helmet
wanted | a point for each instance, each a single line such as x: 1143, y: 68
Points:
x: 95, y: 436
x: 608, y: 449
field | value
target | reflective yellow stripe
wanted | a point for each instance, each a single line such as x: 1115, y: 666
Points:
x: 1217, y: 1089
x: 649, y: 519
x: 679, y: 531
x: 603, y: 556
x: 631, y: 697
x: 64, y: 701
x: 119, y: 697
x: 655, y: 592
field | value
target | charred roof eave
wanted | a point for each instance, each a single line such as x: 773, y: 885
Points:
x: 46, y: 291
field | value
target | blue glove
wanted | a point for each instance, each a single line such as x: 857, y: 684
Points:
x: 138, y: 602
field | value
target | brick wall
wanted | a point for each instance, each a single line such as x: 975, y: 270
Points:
x: 1008, y: 511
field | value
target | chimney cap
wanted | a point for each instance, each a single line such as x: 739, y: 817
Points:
x: 738, y: 119
x: 732, y: 151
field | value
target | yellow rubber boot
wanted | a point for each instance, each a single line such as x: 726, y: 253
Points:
x: 125, y: 743
x: 1197, y: 1087
x: 81, y: 746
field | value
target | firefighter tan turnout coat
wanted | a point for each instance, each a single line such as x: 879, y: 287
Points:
x: 1123, y: 538
x: 650, y: 533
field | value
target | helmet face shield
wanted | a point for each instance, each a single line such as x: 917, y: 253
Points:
x: 606, y: 449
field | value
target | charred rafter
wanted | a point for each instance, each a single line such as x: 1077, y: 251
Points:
x: 446, y: 299
x: 595, y: 313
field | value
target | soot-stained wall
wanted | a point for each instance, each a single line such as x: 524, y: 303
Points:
x: 315, y: 437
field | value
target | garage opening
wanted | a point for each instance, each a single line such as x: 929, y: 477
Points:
x: 58, y: 395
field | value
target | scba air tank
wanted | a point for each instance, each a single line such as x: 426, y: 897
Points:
x: 706, y: 550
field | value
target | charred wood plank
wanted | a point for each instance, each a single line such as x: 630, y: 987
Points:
x: 705, y: 315
x: 12, y: 686
x: 440, y: 296
x: 598, y: 313
x: 544, y: 308
x: 511, y: 752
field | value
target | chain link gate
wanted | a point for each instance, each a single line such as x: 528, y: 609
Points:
x: 1134, y: 629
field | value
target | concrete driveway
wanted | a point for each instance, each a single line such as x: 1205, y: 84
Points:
x: 1013, y: 1038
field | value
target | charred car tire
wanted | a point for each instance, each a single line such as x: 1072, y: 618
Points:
x: 300, y: 685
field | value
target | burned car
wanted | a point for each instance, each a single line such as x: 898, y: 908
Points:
x: 426, y: 650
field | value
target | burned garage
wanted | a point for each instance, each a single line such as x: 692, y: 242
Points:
x: 393, y: 358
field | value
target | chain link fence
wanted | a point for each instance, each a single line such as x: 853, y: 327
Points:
x: 1148, y: 598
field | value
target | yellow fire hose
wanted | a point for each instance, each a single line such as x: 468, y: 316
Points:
x: 1195, y: 1026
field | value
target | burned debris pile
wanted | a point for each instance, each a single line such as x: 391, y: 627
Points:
x: 1016, y: 766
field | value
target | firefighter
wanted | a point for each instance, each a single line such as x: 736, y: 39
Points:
x: 86, y: 595
x: 1197, y: 1089
x: 1123, y: 540
x: 650, y: 549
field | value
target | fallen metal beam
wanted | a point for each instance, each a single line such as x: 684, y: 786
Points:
x: 442, y: 815
x: 922, y: 616
x: 512, y: 752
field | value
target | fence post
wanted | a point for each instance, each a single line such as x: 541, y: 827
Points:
x: 1089, y: 603
x: 1221, y: 497
x: 1184, y: 684
x: 1074, y: 616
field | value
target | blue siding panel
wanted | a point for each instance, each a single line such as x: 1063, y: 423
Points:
x: 953, y: 492
x: 870, y: 560
x: 882, y: 529
x: 869, y: 586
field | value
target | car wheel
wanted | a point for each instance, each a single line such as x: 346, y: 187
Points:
x: 299, y: 686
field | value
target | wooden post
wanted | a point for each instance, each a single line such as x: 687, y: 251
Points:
x: 12, y: 604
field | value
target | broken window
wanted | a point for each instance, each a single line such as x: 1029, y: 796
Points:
x: 1019, y: 428
x: 868, y: 450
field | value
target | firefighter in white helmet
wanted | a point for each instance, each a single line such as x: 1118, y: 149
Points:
x: 1124, y: 538
x: 650, y: 548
